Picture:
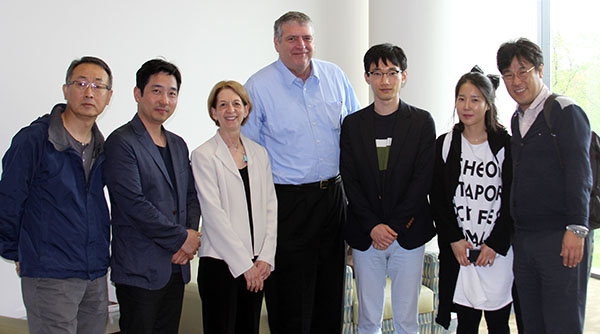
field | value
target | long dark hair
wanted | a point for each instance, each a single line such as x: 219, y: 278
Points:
x: 487, y: 85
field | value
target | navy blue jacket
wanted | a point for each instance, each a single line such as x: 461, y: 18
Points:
x: 150, y: 214
x: 546, y: 195
x: 51, y: 220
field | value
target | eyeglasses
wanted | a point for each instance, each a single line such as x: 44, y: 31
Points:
x: 390, y: 74
x: 83, y: 85
x: 521, y: 74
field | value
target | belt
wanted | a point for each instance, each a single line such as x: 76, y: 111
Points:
x: 323, y: 184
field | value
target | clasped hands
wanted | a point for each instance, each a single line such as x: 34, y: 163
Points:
x: 383, y: 236
x: 256, y: 276
x: 188, y: 249
x: 486, y: 257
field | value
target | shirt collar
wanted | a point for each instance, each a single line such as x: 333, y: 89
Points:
x: 538, y: 103
x: 289, y: 77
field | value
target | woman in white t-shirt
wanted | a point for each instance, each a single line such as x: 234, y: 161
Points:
x: 469, y: 198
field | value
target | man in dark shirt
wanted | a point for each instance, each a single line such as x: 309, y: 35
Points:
x: 54, y: 219
x: 386, y: 162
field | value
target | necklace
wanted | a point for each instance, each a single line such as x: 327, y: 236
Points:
x: 235, y: 148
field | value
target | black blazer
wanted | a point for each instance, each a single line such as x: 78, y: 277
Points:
x: 445, y: 181
x: 401, y: 201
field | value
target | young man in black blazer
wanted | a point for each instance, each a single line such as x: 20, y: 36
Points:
x: 386, y: 163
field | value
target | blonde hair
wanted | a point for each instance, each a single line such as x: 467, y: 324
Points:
x: 237, y: 88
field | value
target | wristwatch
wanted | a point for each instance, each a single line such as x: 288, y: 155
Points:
x: 579, y: 230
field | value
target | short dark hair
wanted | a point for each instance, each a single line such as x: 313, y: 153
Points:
x: 523, y: 49
x: 487, y: 85
x: 386, y: 53
x: 152, y: 67
x: 234, y: 86
x: 89, y: 60
x: 297, y: 17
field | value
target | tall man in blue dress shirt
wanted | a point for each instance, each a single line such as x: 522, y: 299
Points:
x: 299, y: 104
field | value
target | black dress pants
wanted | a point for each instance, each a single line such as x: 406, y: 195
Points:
x: 304, y: 294
x: 146, y: 311
x: 227, y: 306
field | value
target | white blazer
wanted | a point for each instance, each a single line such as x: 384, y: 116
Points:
x: 225, y: 223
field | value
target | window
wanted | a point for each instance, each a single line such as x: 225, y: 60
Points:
x: 574, y: 66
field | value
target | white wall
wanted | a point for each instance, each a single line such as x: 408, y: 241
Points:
x: 208, y: 40
x: 444, y: 39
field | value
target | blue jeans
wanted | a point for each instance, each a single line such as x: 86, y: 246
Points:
x: 404, y: 268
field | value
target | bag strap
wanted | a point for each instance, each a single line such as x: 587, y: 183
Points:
x: 547, y: 113
x: 446, y: 146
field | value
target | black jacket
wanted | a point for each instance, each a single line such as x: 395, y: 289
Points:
x: 400, y: 201
x: 445, y: 181
x: 546, y: 195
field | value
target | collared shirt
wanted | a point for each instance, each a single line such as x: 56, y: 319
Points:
x: 62, y: 139
x: 299, y: 122
x: 84, y: 150
x: 527, y: 117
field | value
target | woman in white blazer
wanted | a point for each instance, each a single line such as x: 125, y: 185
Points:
x: 239, y: 216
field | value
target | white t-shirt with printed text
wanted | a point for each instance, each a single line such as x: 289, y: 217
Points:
x: 477, y: 203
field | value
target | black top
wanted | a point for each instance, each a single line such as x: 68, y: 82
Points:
x: 246, y: 179
x: 384, y: 130
x: 166, y: 155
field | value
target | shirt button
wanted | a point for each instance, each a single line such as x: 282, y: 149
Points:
x: 318, y: 140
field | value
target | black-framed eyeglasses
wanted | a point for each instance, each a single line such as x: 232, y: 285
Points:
x: 83, y: 85
x: 521, y: 74
x: 393, y: 74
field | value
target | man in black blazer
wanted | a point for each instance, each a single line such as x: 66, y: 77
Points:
x: 155, y: 210
x: 386, y: 163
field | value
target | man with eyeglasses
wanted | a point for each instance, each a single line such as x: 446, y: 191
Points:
x: 54, y: 221
x: 550, y: 193
x: 299, y: 103
x: 386, y: 162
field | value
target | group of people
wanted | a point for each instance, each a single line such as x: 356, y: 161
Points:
x: 294, y: 169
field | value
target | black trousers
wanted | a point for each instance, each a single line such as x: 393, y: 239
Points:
x: 469, y: 319
x: 151, y: 311
x: 552, y: 296
x: 305, y: 291
x: 227, y: 306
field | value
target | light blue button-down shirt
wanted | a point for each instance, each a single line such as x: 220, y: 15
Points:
x: 299, y: 122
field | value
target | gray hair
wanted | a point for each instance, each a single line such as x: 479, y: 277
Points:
x: 298, y: 17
